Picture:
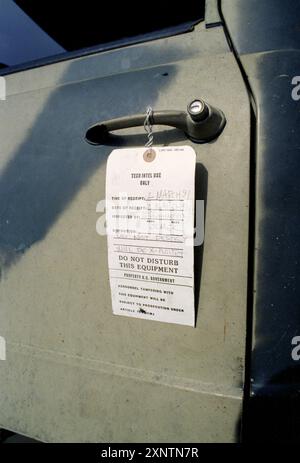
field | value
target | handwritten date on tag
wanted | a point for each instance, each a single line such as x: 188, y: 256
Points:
x: 150, y: 227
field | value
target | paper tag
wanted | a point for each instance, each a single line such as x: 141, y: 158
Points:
x: 150, y: 226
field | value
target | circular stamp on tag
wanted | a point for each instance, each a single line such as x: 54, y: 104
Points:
x: 149, y: 155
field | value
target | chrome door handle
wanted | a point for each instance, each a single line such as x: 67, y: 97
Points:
x: 201, y: 123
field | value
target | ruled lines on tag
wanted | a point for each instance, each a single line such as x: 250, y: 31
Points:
x: 150, y: 227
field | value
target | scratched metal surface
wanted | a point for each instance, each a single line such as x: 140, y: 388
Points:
x: 73, y: 371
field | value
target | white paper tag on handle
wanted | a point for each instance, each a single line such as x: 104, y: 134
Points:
x: 150, y: 196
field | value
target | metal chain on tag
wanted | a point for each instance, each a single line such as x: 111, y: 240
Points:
x: 148, y: 127
x: 150, y: 154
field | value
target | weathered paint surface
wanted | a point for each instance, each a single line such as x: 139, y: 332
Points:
x: 75, y: 372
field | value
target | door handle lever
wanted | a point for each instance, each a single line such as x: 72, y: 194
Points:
x: 201, y: 123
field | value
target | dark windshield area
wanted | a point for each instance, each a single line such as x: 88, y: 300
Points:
x: 85, y: 24
x: 37, y: 29
x: 21, y: 39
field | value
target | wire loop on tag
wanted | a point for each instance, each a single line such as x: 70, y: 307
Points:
x: 148, y: 127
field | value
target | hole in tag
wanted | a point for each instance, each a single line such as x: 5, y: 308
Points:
x: 149, y: 155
